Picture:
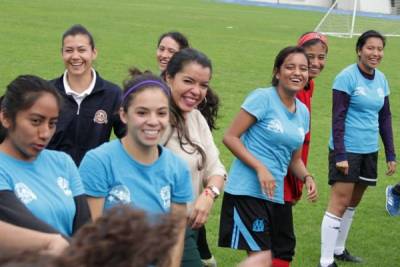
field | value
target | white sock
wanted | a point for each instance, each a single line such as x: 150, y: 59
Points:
x: 347, y: 219
x: 329, y: 232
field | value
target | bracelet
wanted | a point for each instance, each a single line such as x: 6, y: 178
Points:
x: 208, y: 192
x: 305, y: 176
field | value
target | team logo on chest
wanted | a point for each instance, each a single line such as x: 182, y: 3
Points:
x: 24, y: 193
x: 64, y: 185
x: 275, y: 126
x: 119, y: 194
x: 165, y: 194
x: 360, y: 91
x: 100, y: 117
x: 380, y: 92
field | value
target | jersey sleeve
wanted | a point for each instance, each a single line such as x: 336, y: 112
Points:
x: 256, y: 103
x: 75, y: 182
x: 182, y: 189
x: 344, y: 82
x: 94, y: 175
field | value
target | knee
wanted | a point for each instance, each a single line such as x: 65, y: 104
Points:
x: 338, y: 204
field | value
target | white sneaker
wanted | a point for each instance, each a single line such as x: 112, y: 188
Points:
x: 211, y: 262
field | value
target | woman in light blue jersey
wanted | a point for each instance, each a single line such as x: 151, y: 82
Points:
x: 40, y: 189
x: 360, y: 112
x: 266, y: 138
x: 135, y: 170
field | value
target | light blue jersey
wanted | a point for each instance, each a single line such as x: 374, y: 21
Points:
x: 46, y: 186
x: 272, y: 139
x: 366, y: 100
x: 109, y: 171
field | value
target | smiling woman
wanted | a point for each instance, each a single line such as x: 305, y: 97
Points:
x: 266, y: 138
x: 40, y: 189
x: 90, y: 103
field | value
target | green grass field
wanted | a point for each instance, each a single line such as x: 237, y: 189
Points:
x: 242, y: 42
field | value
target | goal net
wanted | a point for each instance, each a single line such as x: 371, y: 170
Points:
x: 348, y: 18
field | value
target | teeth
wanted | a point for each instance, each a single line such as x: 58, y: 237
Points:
x: 151, y: 132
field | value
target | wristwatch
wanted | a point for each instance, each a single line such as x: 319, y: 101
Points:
x: 214, y: 190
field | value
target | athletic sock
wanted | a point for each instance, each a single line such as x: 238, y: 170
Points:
x: 280, y: 263
x: 347, y: 219
x: 396, y: 189
x: 329, y: 233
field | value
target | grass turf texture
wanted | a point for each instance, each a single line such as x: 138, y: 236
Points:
x: 242, y: 42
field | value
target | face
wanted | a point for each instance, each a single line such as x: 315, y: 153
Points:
x: 317, y: 56
x: 166, y: 49
x: 147, y: 117
x: 371, y: 54
x: 78, y: 55
x: 189, y: 86
x: 33, y: 128
x: 293, y: 74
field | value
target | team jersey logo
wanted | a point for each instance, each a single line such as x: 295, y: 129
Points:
x: 275, y: 126
x: 100, y: 117
x: 165, y: 194
x: 64, y: 185
x: 24, y: 193
x: 360, y: 91
x: 119, y: 194
x: 380, y: 92
x: 301, y: 132
x: 258, y: 225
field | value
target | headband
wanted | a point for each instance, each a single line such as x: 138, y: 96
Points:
x: 312, y: 36
x: 137, y: 86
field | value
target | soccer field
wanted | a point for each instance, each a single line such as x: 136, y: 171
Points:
x: 242, y: 42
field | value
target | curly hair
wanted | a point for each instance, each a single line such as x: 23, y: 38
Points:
x: 123, y: 237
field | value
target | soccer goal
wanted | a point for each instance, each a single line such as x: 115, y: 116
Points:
x: 348, y: 18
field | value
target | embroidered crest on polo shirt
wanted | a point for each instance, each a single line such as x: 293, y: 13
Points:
x: 275, y: 126
x: 380, y: 92
x: 165, y: 194
x: 24, y: 193
x: 64, y: 185
x: 360, y: 91
x: 100, y: 117
x: 119, y: 194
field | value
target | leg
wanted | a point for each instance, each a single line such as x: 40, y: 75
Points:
x: 340, y: 198
x: 283, y: 238
x: 191, y: 255
x: 205, y: 253
x: 340, y: 250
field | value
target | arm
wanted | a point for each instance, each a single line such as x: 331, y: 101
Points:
x: 13, y: 211
x: 340, y: 105
x: 297, y: 167
x: 82, y: 214
x: 11, y: 236
x: 96, y: 206
x: 232, y: 141
x: 386, y: 132
x: 178, y: 210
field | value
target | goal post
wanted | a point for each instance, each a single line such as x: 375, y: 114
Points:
x: 348, y: 18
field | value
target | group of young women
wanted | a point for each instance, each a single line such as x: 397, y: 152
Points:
x: 164, y: 159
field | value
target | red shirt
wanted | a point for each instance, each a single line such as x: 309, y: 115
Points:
x: 293, y: 187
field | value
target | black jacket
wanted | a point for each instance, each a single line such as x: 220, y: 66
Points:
x: 98, y: 114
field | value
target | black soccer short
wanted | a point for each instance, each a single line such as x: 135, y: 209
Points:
x: 245, y: 223
x: 362, y: 169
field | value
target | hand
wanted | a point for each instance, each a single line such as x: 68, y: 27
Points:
x: 391, y: 168
x: 201, y: 210
x: 312, y: 194
x: 56, y: 245
x: 343, y: 167
x: 267, y: 181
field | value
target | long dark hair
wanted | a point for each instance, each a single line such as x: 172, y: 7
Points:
x: 21, y: 94
x: 176, y: 65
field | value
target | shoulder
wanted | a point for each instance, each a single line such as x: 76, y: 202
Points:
x: 105, y: 150
x: 349, y: 71
x: 107, y: 85
x: 301, y: 107
x: 58, y: 82
x: 54, y: 157
x: 380, y: 75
